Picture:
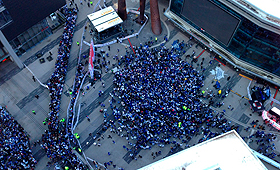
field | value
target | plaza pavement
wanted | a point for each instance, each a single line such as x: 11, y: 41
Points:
x: 17, y: 91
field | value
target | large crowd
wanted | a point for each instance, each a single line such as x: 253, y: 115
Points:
x: 56, y: 140
x: 80, y: 73
x: 160, y: 95
x: 15, y: 151
x: 264, y: 140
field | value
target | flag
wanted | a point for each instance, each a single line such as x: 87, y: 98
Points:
x: 91, y: 59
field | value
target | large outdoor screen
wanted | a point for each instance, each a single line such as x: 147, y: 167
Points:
x: 211, y: 19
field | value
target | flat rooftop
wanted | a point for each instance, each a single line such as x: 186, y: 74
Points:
x: 225, y: 152
x: 265, y: 9
x: 271, y: 7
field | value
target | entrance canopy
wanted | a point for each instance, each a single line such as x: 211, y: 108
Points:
x: 275, y: 111
x: 104, y: 19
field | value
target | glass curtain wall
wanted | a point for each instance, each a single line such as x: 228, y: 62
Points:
x: 5, y: 17
x: 250, y: 43
x: 31, y: 37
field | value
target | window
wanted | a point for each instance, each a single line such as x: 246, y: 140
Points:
x: 176, y: 6
x: 242, y: 37
x: 268, y: 36
x: 248, y: 27
x: 5, y: 18
x: 236, y: 48
x: 2, y: 20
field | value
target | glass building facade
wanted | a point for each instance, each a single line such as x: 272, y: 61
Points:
x: 30, y: 37
x: 5, y: 17
x: 250, y: 42
x: 24, y: 26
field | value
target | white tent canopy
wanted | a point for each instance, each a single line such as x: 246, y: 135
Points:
x: 104, y: 19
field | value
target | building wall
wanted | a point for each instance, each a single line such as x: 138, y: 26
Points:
x: 5, y: 17
x: 251, y: 42
x: 26, y: 13
x: 30, y: 37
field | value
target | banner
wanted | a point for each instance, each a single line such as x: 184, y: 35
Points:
x: 91, y: 59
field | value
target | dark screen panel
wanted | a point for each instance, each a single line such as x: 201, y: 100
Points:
x: 26, y: 13
x: 212, y: 19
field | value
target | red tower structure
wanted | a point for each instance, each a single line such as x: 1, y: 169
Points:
x: 141, y: 18
x: 122, y: 9
x: 155, y: 18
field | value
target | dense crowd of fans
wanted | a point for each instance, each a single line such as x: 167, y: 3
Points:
x: 56, y: 139
x: 264, y: 141
x: 80, y: 73
x: 15, y: 152
x: 160, y: 95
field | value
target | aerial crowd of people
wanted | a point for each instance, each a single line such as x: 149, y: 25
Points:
x: 160, y: 95
x: 265, y: 141
x: 56, y: 140
x: 15, y: 151
x: 80, y: 73
x: 161, y: 98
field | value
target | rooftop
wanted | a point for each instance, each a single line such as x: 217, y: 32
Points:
x: 267, y: 10
x: 225, y: 152
x: 271, y: 7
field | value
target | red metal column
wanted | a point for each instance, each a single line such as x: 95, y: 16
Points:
x: 155, y: 18
x: 122, y: 9
x: 274, y: 95
x: 142, y: 11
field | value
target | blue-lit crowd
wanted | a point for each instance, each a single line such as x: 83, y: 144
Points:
x: 160, y: 95
x: 80, y: 73
x: 15, y: 151
x: 160, y: 98
x: 265, y: 142
x: 56, y: 140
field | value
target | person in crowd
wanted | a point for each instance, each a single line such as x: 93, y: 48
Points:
x: 56, y: 140
x: 15, y: 151
x: 160, y: 99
